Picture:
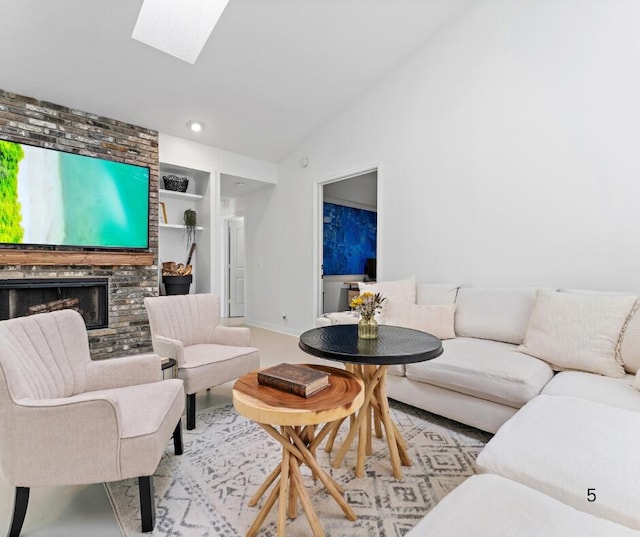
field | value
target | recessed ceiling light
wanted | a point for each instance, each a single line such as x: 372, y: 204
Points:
x: 240, y: 184
x: 178, y: 28
x: 195, y: 126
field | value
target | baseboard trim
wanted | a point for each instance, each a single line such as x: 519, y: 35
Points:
x: 274, y: 328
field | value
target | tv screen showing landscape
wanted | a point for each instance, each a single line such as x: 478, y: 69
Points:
x: 53, y: 198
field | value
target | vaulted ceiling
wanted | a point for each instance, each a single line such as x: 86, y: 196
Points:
x: 271, y: 73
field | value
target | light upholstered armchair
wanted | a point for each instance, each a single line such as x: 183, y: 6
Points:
x: 187, y: 328
x: 68, y: 420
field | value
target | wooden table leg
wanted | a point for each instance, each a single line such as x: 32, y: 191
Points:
x: 388, y: 426
x: 361, y: 416
x: 403, y: 448
x: 298, y: 447
x: 307, y: 435
x: 375, y: 409
x: 293, y: 497
x: 284, y: 492
x: 309, y: 511
x: 262, y: 515
x: 332, y: 487
x: 263, y: 488
x: 362, y: 445
x: 369, y: 373
x: 377, y: 424
x: 334, y: 432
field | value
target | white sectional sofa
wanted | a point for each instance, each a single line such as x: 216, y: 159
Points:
x: 482, y: 379
x: 554, y: 375
x: 492, y: 506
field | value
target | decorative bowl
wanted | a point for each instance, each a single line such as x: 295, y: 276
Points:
x: 175, y: 183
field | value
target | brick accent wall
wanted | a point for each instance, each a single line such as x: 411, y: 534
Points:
x: 34, y: 122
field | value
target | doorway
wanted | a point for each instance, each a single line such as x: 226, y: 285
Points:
x: 235, y: 263
x: 348, y: 237
x: 236, y: 212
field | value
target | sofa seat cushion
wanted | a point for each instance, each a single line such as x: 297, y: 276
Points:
x: 487, y: 369
x: 606, y: 390
x: 563, y: 446
x: 490, y: 506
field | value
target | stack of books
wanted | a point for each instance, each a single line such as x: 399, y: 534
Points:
x: 297, y: 379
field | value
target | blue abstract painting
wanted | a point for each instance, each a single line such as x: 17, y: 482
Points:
x: 349, y: 239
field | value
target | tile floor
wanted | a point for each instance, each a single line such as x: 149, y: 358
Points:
x: 82, y: 511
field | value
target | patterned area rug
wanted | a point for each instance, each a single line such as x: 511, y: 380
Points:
x: 205, y: 492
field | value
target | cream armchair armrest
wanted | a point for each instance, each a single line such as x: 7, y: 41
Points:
x: 170, y: 348
x: 125, y: 371
x: 237, y: 336
x: 80, y: 434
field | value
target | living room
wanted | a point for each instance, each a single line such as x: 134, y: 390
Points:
x: 504, y: 142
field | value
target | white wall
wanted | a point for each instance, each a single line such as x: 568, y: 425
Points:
x: 215, y: 161
x: 508, y: 151
x: 182, y: 152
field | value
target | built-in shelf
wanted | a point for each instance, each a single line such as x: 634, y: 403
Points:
x: 173, y: 244
x: 179, y: 195
x: 177, y: 226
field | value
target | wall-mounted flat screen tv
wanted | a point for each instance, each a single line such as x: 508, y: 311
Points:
x: 54, y: 198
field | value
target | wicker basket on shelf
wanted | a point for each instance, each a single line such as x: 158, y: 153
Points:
x: 175, y: 183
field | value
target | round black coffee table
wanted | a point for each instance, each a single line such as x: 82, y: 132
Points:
x: 369, y: 359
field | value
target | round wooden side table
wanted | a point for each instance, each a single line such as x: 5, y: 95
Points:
x: 297, y: 418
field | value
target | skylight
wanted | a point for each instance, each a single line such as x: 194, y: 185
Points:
x: 180, y: 28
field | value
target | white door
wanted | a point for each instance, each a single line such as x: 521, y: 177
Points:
x: 236, y: 267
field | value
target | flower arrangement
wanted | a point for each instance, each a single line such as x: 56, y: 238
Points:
x: 367, y: 304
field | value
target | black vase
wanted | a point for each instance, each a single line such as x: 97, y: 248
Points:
x: 177, y: 285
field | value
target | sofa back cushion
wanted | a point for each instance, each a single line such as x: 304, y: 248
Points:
x: 580, y: 332
x: 436, y: 319
x: 398, y: 290
x: 436, y: 293
x: 630, y: 340
x: 497, y: 313
x: 630, y: 343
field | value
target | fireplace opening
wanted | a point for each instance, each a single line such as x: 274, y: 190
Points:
x: 88, y: 296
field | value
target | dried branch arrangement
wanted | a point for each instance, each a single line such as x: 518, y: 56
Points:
x: 171, y: 268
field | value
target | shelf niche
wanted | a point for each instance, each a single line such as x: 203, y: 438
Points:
x: 171, y: 243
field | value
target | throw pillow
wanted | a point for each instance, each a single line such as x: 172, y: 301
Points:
x: 400, y: 290
x: 630, y: 344
x: 579, y: 332
x: 630, y: 340
x: 437, y: 320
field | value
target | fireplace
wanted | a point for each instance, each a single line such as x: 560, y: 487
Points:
x: 88, y: 296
